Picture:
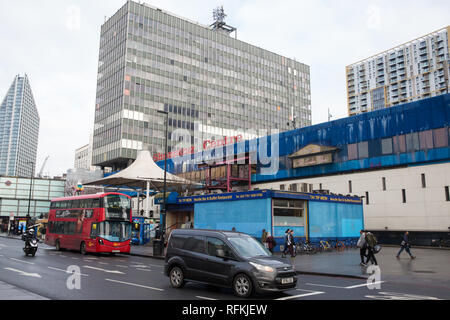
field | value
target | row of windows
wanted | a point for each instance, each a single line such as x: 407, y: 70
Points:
x: 77, y: 204
x: 197, y: 244
x: 446, y: 192
x: 424, y: 140
x: 165, y: 23
x: 63, y: 227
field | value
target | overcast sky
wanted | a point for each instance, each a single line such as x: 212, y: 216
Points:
x: 56, y: 42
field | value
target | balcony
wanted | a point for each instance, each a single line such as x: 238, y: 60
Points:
x: 423, y: 58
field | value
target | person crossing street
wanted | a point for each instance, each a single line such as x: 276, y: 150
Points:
x: 405, y: 245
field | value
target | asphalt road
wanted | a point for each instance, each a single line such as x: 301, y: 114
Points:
x: 124, y: 277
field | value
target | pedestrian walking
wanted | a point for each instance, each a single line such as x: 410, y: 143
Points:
x: 291, y: 243
x: 264, y: 237
x: 286, y: 240
x: 405, y: 245
x: 271, y: 243
x: 362, y: 245
x: 371, y: 242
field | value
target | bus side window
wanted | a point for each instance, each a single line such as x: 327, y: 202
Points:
x: 76, y: 204
x: 96, y: 203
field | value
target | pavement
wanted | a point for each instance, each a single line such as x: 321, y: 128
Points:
x: 429, y: 268
x: 10, y: 292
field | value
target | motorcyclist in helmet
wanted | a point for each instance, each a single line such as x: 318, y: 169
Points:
x: 28, y: 236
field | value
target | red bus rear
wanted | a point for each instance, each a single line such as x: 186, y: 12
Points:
x: 91, y: 223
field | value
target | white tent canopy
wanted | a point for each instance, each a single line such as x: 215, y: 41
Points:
x: 143, y: 173
x: 140, y: 173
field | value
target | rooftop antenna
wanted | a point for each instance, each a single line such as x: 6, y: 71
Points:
x: 292, y: 119
x: 219, y: 21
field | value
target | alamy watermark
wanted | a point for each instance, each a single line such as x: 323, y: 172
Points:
x: 74, y: 280
x: 261, y: 145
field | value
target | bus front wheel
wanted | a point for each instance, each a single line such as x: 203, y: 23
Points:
x: 57, y: 245
x: 83, y: 248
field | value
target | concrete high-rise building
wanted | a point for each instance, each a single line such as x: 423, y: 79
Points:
x: 208, y: 81
x: 83, y: 156
x: 19, y: 130
x: 412, y: 71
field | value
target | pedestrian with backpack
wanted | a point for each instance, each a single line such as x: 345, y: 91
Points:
x: 371, y: 241
x: 405, y: 245
x: 362, y: 245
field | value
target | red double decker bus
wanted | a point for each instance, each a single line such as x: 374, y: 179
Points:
x: 91, y: 223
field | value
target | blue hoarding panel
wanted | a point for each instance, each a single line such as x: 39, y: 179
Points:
x: 334, y: 220
x: 248, y: 216
x: 279, y: 231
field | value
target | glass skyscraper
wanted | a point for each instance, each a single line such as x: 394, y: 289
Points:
x: 209, y: 82
x: 19, y: 130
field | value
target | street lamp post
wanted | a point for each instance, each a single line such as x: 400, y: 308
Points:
x: 163, y: 216
x: 31, y: 186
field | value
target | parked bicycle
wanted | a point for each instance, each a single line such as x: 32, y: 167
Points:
x: 305, y: 247
x: 325, y: 245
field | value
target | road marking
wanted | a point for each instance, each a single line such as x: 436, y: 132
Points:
x: 323, y: 285
x: 349, y: 287
x: 104, y: 270
x: 400, y: 296
x: 365, y: 284
x: 138, y: 266
x: 311, y: 293
x: 22, y: 261
x: 143, y: 269
x: 35, y: 275
x: 120, y: 266
x: 103, y: 262
x: 57, y: 269
x: 206, y: 298
x: 134, y: 284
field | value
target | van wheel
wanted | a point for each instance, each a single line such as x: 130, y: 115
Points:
x: 83, y: 248
x: 242, y: 286
x: 176, y: 276
x: 57, y: 245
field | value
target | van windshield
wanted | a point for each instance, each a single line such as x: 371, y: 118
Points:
x: 248, y: 247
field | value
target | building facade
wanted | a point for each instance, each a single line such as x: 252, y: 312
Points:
x: 83, y: 156
x: 397, y: 159
x: 82, y: 160
x: 19, y: 130
x: 210, y: 83
x: 15, y: 195
x: 412, y: 71
x: 312, y: 216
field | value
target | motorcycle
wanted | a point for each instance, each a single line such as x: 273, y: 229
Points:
x: 31, y: 244
x: 31, y: 247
